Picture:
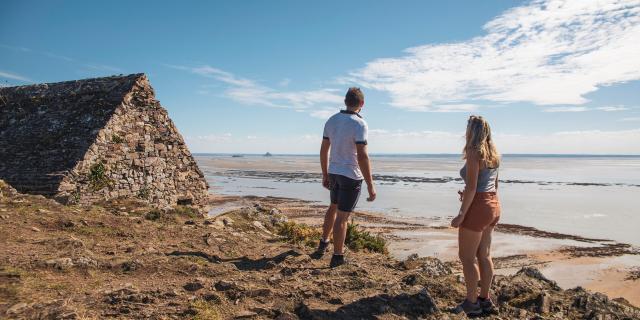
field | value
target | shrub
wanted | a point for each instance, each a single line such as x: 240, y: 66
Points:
x: 153, y: 215
x: 299, y: 233
x: 143, y: 193
x: 206, y: 310
x: 186, y: 211
x: 358, y: 239
x: 97, y: 177
x: 117, y: 139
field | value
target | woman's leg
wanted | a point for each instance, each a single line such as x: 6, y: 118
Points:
x: 485, y: 263
x: 468, y: 241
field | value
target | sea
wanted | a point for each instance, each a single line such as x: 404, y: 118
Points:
x: 593, y: 196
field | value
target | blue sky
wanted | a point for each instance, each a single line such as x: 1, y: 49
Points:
x: 258, y: 76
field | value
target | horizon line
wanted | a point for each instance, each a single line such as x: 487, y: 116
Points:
x: 425, y: 154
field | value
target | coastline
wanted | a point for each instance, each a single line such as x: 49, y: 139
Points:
x: 595, y: 264
x: 123, y: 259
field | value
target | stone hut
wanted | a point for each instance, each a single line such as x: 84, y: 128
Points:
x: 96, y: 139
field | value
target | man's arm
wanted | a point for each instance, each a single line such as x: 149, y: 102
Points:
x: 324, y: 161
x: 365, y: 167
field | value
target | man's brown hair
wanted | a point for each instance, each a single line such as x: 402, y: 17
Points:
x: 354, y: 97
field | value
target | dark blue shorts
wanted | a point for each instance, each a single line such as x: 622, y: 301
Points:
x: 344, y: 191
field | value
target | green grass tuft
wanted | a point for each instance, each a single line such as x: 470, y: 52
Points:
x: 358, y: 239
x: 186, y: 211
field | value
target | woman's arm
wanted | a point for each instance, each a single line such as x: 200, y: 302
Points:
x: 473, y: 167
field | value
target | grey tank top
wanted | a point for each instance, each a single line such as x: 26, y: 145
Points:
x: 487, y: 178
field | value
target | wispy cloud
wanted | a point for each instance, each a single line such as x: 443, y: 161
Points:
x: 14, y: 76
x: 228, y: 143
x: 566, y: 109
x: 251, y: 92
x: 630, y: 119
x: 545, y: 52
x: 284, y: 82
x: 15, y: 48
x: 210, y: 138
x: 425, y: 141
x: 461, y: 107
x: 564, y: 142
x: 86, y: 65
x: 323, y: 113
x: 57, y: 56
x: 613, y: 108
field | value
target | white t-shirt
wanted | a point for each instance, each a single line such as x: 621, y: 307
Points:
x: 344, y: 130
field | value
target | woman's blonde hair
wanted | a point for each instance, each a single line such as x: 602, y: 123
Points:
x: 479, y: 140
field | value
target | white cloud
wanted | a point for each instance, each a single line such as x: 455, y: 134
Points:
x: 284, y: 82
x: 613, y: 108
x: 227, y: 143
x: 567, y: 142
x: 14, y: 76
x: 566, y: 109
x: 630, y: 119
x: 545, y: 52
x: 250, y: 92
x: 462, y: 107
x: 574, y: 142
x: 57, y: 56
x: 212, y: 137
x: 91, y: 67
x: 324, y: 113
x: 402, y: 141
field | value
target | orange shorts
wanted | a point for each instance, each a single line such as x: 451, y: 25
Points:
x: 484, y: 212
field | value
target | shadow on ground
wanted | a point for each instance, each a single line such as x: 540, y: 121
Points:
x: 412, y: 306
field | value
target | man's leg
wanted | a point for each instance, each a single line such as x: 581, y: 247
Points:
x: 327, y: 227
x: 348, y: 193
x: 340, y: 231
x: 329, y: 220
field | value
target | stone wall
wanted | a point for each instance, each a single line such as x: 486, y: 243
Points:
x: 96, y: 139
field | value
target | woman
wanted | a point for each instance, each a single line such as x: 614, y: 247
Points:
x: 479, y: 213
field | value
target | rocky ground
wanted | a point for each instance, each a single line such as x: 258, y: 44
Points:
x: 125, y: 260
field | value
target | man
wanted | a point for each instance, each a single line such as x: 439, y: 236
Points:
x: 343, y: 169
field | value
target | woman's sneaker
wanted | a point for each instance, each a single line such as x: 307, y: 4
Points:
x: 487, y: 305
x: 469, y: 308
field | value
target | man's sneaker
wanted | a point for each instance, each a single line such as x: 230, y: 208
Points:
x: 469, y: 308
x: 487, y: 305
x: 322, y: 248
x: 337, y: 260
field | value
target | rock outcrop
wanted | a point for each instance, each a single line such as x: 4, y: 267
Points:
x: 95, y: 139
